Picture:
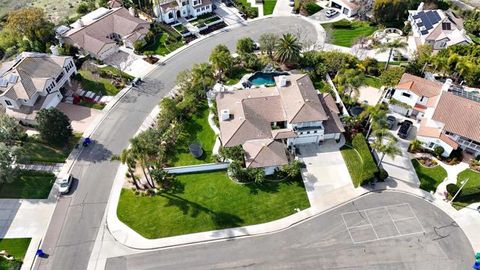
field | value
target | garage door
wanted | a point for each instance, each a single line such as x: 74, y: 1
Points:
x: 330, y: 136
x: 307, y: 139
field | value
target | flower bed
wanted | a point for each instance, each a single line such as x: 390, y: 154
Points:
x: 427, y: 162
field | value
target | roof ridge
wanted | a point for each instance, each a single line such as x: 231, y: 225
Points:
x: 233, y: 135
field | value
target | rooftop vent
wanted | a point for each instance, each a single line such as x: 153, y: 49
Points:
x: 3, y: 82
x: 12, y: 78
x: 225, y: 115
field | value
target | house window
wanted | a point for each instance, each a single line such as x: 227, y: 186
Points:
x: 184, y: 4
x: 431, y: 145
x: 406, y: 94
x: 314, y: 131
x: 170, y: 15
x: 198, y: 10
x: 301, y: 133
x: 308, y: 132
x: 9, y: 104
x: 50, y: 87
x: 59, y: 77
x: 195, y: 3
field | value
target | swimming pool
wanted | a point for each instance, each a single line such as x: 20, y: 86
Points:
x: 262, y: 78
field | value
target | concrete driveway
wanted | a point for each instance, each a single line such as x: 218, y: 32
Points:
x: 81, y: 117
x: 325, y: 171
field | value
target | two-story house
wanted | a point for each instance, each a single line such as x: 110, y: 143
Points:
x: 270, y: 122
x: 33, y: 82
x: 351, y: 8
x: 413, y: 95
x: 169, y: 11
x: 437, y: 28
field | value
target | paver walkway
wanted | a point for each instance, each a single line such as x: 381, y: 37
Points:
x: 53, y: 168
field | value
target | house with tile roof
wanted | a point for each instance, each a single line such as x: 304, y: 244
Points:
x: 413, y: 95
x: 170, y: 11
x: 101, y: 32
x: 269, y: 122
x: 437, y: 28
x: 33, y: 81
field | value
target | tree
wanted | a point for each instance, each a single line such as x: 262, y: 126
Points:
x: 391, y: 76
x: 288, y: 49
x: 127, y: 157
x: 392, y: 46
x: 376, y: 117
x: 386, y: 144
x: 54, y: 126
x: 349, y: 81
x: 415, y: 145
x: 163, y: 179
x: 235, y: 153
x: 221, y: 60
x: 268, y: 41
x: 387, y: 11
x: 10, y: 130
x: 82, y: 8
x: 438, y: 150
x: 245, y: 45
x: 293, y: 169
x: 203, y: 74
x: 8, y: 173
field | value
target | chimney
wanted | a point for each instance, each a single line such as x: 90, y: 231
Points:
x: 420, y: 6
x: 225, y: 115
x: 446, y: 85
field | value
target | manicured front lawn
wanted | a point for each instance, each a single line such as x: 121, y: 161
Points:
x: 209, y: 201
x: 352, y: 160
x: 36, y: 151
x: 359, y: 161
x: 347, y: 36
x: 268, y: 6
x: 372, y: 81
x: 429, y: 178
x: 471, y: 191
x: 96, y: 84
x: 29, y: 185
x: 16, y: 247
x: 161, y: 46
x: 198, y: 130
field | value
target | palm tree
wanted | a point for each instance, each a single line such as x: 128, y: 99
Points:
x: 391, y: 46
x: 386, y: 144
x: 288, y: 49
x: 203, y: 73
x: 440, y: 64
x: 463, y: 67
x: 376, y: 117
x: 127, y: 157
x: 139, y: 151
x: 351, y: 80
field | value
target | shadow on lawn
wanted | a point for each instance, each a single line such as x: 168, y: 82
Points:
x: 221, y: 219
x: 273, y: 187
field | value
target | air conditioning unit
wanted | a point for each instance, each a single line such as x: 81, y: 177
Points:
x: 283, y: 81
x: 225, y: 115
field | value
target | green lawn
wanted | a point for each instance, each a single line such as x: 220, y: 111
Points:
x: 98, y: 85
x: 471, y: 191
x: 347, y: 36
x: 429, y: 178
x: 29, y: 185
x: 268, y: 6
x: 372, y: 81
x: 197, y: 129
x: 97, y: 106
x: 36, y: 151
x: 352, y: 160
x: 210, y: 201
x: 16, y: 247
x: 359, y: 160
x: 160, y: 46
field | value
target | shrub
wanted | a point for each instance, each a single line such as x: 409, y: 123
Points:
x: 344, y: 23
x: 382, y: 174
x: 82, y: 8
x: 452, y: 189
x: 312, y: 8
x: 438, y: 150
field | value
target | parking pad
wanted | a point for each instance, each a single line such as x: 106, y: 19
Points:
x: 381, y: 223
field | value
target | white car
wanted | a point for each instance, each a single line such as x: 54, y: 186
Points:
x: 331, y: 12
x: 291, y: 3
x: 64, y: 183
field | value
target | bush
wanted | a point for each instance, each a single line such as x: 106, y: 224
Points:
x: 312, y: 8
x: 452, y: 189
x: 82, y: 8
x: 344, y: 23
x: 382, y: 174
x: 438, y: 150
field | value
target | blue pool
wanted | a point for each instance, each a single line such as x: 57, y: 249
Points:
x: 262, y: 78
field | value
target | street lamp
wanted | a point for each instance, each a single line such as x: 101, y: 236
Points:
x: 464, y: 182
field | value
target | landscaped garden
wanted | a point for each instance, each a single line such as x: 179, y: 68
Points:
x: 345, y: 33
x: 430, y: 177
x: 471, y: 191
x: 28, y: 185
x: 359, y: 161
x: 34, y: 150
x: 16, y: 247
x: 210, y: 201
x: 197, y: 130
x: 103, y: 81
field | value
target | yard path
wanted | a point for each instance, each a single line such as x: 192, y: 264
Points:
x: 45, y: 167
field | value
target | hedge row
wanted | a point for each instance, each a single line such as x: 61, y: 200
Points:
x: 369, y: 167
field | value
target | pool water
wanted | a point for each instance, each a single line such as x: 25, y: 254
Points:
x: 262, y: 78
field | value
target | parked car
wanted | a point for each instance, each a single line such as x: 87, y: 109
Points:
x: 64, y: 183
x: 136, y: 81
x: 256, y: 46
x: 291, y: 3
x: 391, y: 121
x: 405, y: 129
x: 331, y: 12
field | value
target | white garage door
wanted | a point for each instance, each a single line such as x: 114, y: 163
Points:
x: 307, y: 139
x: 330, y: 136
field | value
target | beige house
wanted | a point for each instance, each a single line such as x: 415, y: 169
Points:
x: 32, y: 82
x: 100, y: 33
x: 270, y: 122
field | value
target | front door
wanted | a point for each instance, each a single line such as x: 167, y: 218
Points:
x: 179, y: 14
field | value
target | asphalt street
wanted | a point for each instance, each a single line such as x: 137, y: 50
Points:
x: 386, y: 230
x: 77, y: 218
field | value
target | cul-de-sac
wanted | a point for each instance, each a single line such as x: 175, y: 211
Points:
x: 239, y: 134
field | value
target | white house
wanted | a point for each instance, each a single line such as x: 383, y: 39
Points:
x: 414, y: 95
x: 32, y: 82
x: 350, y: 8
x: 169, y: 11
x: 269, y: 122
x: 437, y: 28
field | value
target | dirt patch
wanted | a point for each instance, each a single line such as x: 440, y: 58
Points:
x: 55, y: 10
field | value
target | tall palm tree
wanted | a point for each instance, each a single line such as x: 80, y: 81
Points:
x: 203, y: 73
x: 140, y: 152
x: 288, y: 49
x: 392, y: 46
x: 440, y: 64
x: 352, y: 80
x: 463, y: 67
x: 386, y: 144
x: 127, y: 157
x: 376, y: 117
